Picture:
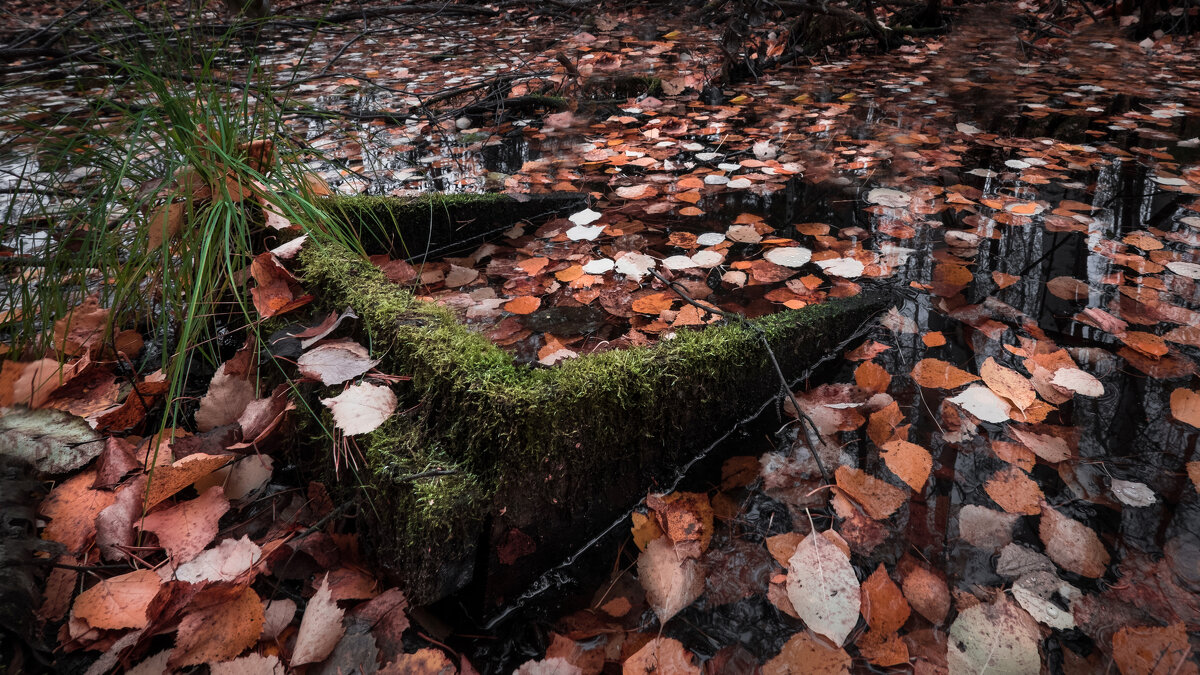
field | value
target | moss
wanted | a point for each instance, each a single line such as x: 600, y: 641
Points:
x: 523, y: 440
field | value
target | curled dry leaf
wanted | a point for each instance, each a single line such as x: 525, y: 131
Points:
x: 361, y: 408
x: 823, y: 588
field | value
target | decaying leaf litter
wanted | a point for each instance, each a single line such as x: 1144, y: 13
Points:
x: 1014, y: 443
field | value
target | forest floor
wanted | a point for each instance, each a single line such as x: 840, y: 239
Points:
x: 1015, y: 446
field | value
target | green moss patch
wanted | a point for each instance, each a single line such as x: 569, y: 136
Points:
x: 537, y: 449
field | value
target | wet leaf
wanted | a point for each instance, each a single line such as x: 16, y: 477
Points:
x: 927, y: 594
x: 336, y: 362
x: 883, y: 604
x: 672, y: 581
x: 1185, y: 406
x: 909, y: 461
x: 661, y: 655
x: 1014, y: 491
x: 823, y: 588
x: 938, y: 374
x: 1153, y: 650
x: 803, y: 653
x: 1072, y: 545
x: 984, y: 404
x: 994, y: 638
x: 1007, y: 383
x: 878, y: 498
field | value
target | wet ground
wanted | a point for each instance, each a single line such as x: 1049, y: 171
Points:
x: 1037, y: 204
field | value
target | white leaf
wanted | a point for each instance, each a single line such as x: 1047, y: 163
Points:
x: 226, y: 562
x: 361, y: 408
x: 678, y: 262
x: 1078, y: 381
x: 982, y: 403
x: 739, y: 183
x: 707, y: 259
x: 636, y: 265
x: 847, y: 268
x: 789, y: 256
x: 584, y: 217
x: 823, y: 588
x: 1133, y: 494
x: 888, y: 197
x: 337, y: 362
x: 598, y: 266
x: 584, y: 232
x: 1185, y: 269
x: 967, y: 128
x: 995, y: 639
x: 745, y: 234
x: 672, y: 581
x: 1035, y: 592
x: 710, y: 239
x: 320, y: 629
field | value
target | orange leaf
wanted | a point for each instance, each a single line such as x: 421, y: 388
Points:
x: 927, y: 593
x: 1014, y: 491
x: 1072, y: 545
x: 1147, y: 343
x: 909, y: 461
x: 119, y: 602
x: 1185, y: 406
x: 525, y: 304
x: 654, y: 303
x: 939, y: 374
x: 884, y: 606
x: 221, y: 622
x: 72, y: 508
x: 1150, y: 650
x: 878, y: 498
x: 884, y: 424
x: 872, y: 376
x: 165, y: 481
x: 933, y: 339
x: 1008, y: 383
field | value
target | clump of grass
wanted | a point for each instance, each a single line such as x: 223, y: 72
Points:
x: 153, y: 196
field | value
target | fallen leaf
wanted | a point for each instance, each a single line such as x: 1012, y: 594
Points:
x: 927, y: 593
x: 118, y: 602
x: 250, y: 664
x: 226, y: 561
x: 336, y: 362
x: 803, y: 653
x: 1014, y: 491
x: 672, y: 581
x: 883, y: 604
x: 1007, y: 383
x: 320, y: 629
x: 1185, y: 406
x: 660, y: 656
x: 361, y: 408
x: 1052, y: 449
x: 72, y: 508
x: 909, y: 461
x: 167, y: 480
x: 1072, y: 545
x: 823, y: 588
x: 1153, y: 650
x: 872, y: 376
x: 983, y: 403
x: 221, y: 622
x: 188, y: 528
x: 1077, y: 381
x: 994, y: 638
x: 878, y: 498
x: 938, y: 374
x: 525, y: 304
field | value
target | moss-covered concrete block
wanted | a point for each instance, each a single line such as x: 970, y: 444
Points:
x: 537, y: 458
